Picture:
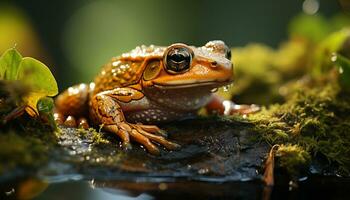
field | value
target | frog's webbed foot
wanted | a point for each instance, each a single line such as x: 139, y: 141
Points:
x: 143, y: 134
x: 105, y: 109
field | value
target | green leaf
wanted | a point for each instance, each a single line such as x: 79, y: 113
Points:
x: 9, y: 63
x: 343, y: 65
x: 332, y: 44
x: 45, y: 107
x: 38, y: 76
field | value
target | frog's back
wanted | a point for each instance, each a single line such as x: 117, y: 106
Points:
x: 126, y: 69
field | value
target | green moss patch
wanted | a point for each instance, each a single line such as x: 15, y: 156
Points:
x: 315, y: 119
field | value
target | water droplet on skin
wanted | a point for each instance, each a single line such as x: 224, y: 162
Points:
x: 226, y: 88
x: 334, y: 57
x: 214, y: 90
x: 341, y: 70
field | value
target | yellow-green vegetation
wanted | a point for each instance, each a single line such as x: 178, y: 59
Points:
x: 261, y: 72
x: 292, y: 157
x: 96, y: 137
x: 26, y: 150
x: 309, y: 76
x: 31, y: 73
x: 25, y: 84
x: 315, y: 119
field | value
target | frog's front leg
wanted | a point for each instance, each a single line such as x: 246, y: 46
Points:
x: 105, y: 109
x: 227, y: 107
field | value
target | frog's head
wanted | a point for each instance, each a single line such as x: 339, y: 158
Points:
x: 183, y: 66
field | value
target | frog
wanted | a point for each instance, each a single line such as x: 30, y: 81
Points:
x: 150, y: 85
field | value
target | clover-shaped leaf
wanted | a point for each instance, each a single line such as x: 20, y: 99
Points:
x: 30, y: 72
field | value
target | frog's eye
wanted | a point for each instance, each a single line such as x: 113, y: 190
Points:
x: 228, y: 54
x: 152, y: 70
x: 178, y: 58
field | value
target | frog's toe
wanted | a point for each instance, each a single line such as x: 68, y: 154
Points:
x: 146, y: 135
x: 59, y: 118
x: 127, y: 146
x: 123, y: 134
x: 70, y: 122
x: 153, y: 129
x: 140, y: 138
x: 159, y: 139
x: 83, y: 123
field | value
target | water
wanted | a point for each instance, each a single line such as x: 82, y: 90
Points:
x: 315, y: 187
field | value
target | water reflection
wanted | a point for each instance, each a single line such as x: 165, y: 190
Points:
x: 83, y: 190
x: 26, y: 188
x: 147, y: 190
x: 315, y: 186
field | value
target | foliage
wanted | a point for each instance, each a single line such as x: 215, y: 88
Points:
x: 315, y: 118
x: 260, y: 71
x: 315, y: 28
x: 321, y: 62
x: 19, y: 150
x: 292, y: 157
x: 45, y: 107
x: 25, y: 83
x: 309, y: 76
x: 26, y: 144
x: 343, y: 65
x: 30, y: 72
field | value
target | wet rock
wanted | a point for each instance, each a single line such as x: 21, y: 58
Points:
x: 214, y: 149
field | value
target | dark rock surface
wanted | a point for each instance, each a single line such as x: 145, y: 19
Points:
x: 212, y: 149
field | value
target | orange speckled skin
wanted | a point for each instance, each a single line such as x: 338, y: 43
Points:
x: 118, y: 73
x: 137, y: 87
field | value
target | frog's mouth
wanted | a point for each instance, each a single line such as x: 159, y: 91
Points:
x: 190, y: 84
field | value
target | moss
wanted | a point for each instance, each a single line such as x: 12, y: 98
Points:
x: 25, y: 149
x: 97, y: 138
x: 260, y: 71
x: 25, y: 141
x: 315, y: 119
x: 292, y: 157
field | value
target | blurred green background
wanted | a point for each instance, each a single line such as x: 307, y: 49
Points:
x: 76, y: 37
